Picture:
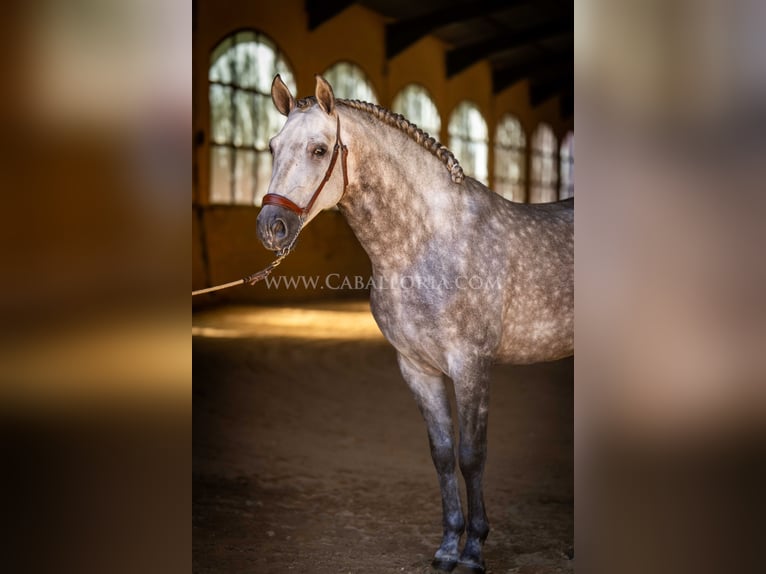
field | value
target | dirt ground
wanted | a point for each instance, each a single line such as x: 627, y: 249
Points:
x: 310, y: 454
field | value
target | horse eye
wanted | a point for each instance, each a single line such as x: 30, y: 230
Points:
x: 320, y: 151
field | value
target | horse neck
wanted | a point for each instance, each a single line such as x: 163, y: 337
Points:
x: 397, y: 191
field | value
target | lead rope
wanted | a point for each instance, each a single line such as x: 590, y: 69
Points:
x: 258, y: 275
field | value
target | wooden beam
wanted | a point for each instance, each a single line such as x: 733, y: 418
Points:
x: 459, y: 59
x: 540, y: 92
x: 320, y: 11
x: 401, y: 34
x: 541, y: 64
x: 566, y: 105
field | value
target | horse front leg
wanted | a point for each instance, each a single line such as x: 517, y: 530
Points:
x: 430, y: 393
x: 472, y: 395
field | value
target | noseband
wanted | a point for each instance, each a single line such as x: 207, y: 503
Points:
x: 302, y: 212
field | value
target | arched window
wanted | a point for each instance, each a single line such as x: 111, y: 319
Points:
x: 510, y: 160
x: 415, y: 104
x: 543, y: 188
x: 242, y: 116
x: 468, y: 140
x: 566, y: 187
x: 349, y: 82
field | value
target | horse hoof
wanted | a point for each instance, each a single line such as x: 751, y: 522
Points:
x: 444, y: 565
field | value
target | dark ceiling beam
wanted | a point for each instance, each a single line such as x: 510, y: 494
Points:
x: 401, y: 34
x: 542, y: 91
x: 459, y: 59
x: 553, y: 69
x: 566, y: 105
x: 538, y: 64
x: 320, y: 11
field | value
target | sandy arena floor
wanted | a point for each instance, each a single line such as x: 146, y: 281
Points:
x: 310, y: 455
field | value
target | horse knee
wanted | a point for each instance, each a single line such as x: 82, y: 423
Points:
x: 472, y: 460
x: 443, y: 455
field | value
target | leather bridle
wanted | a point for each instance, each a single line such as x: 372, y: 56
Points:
x: 302, y: 212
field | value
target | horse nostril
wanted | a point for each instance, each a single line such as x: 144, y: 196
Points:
x: 278, y: 229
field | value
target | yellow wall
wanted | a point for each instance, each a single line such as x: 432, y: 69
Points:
x: 233, y: 251
x: 224, y: 243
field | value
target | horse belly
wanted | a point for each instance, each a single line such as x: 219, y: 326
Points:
x: 538, y: 338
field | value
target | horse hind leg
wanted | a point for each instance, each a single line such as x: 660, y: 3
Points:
x: 472, y: 396
x: 430, y: 393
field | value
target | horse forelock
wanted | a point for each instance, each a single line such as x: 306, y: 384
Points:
x: 401, y: 123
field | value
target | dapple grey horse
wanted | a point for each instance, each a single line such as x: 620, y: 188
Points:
x: 462, y: 278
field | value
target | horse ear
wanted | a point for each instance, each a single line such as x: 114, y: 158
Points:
x: 324, y: 95
x: 281, y: 96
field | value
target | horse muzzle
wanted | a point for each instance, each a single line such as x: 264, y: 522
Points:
x: 277, y: 227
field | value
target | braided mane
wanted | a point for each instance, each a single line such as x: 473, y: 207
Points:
x: 401, y: 123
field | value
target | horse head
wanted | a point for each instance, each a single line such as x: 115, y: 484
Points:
x: 309, y: 168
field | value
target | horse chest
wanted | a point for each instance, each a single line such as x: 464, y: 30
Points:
x: 401, y: 320
x: 433, y: 325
